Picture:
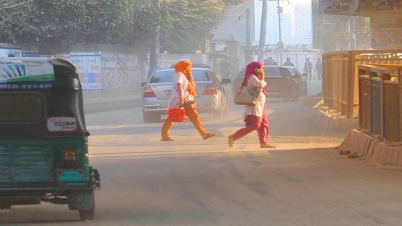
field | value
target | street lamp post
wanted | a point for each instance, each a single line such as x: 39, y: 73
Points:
x: 261, y: 56
x: 280, y: 34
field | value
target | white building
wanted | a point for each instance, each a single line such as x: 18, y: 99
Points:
x: 296, y: 23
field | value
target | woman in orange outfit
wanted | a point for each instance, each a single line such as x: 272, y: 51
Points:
x: 183, y: 94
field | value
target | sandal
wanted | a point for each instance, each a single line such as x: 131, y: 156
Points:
x: 267, y: 146
x: 209, y: 135
x: 166, y: 139
x: 231, y: 140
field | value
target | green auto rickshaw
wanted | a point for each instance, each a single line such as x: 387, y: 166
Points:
x: 43, y: 136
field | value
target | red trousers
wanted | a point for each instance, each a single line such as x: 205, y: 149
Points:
x: 254, y: 123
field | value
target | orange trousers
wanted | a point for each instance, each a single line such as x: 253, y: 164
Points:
x: 192, y: 114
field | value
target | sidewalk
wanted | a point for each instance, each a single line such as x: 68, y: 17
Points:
x: 99, y: 104
x: 107, y: 100
x: 357, y: 144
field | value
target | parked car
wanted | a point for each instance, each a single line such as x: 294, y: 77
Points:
x: 284, y: 82
x: 211, y: 95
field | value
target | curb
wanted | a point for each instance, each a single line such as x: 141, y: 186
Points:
x: 330, y: 120
x: 374, y: 150
x: 111, y: 105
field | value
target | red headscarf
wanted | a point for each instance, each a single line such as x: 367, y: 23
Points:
x: 185, y: 68
x: 250, y: 72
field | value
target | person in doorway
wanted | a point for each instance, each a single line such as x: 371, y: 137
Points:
x: 308, y: 68
x: 255, y: 117
x: 270, y: 61
x: 182, y: 95
x: 224, y: 67
x: 288, y: 63
x: 318, y: 69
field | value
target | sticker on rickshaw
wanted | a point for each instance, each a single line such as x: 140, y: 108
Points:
x: 61, y: 124
x: 37, y: 70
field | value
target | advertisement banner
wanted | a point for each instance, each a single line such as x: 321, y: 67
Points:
x: 5, y: 52
x: 89, y: 69
x: 30, y: 70
x: 361, y: 7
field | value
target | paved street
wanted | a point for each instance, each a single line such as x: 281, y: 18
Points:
x: 304, y: 181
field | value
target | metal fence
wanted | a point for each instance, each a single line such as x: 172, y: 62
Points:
x: 379, y: 101
x: 341, y: 76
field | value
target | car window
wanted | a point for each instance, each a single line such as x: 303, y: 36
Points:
x: 214, y: 79
x: 291, y: 70
x: 162, y: 76
x: 271, y: 71
x: 165, y: 76
x: 241, y: 73
x: 285, y: 72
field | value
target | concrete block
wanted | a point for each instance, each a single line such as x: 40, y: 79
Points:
x: 387, y: 159
x: 399, y: 160
x: 395, y: 156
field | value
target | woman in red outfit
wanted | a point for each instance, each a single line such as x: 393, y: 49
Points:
x: 255, y: 117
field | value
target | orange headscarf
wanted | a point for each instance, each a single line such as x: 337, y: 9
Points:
x: 185, y: 68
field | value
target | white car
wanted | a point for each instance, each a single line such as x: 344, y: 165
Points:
x: 211, y: 96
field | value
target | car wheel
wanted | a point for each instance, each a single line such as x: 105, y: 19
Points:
x: 286, y: 97
x: 220, y: 112
x: 226, y: 110
x: 295, y: 97
x: 304, y: 93
x: 150, y: 116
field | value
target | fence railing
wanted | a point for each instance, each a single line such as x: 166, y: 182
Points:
x: 368, y: 85
x: 379, y: 101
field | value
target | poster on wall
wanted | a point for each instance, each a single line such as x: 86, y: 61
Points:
x: 386, y: 38
x: 348, y: 7
x: 89, y: 69
x: 330, y: 6
x: 367, y: 6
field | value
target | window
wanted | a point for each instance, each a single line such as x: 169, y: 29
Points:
x: 21, y: 107
x: 272, y: 72
x: 165, y: 76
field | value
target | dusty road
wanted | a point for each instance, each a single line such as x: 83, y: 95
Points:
x: 304, y: 181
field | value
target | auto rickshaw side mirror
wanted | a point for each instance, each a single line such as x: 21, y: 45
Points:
x: 143, y: 84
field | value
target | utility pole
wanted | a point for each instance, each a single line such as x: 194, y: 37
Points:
x: 280, y: 44
x: 248, y: 42
x: 261, y: 56
x: 154, y: 47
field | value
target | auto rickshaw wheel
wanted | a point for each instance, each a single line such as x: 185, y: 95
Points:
x: 88, y: 214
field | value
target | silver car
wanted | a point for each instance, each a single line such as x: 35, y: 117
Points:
x: 211, y: 96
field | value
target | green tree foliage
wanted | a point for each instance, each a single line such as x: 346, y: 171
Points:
x: 67, y: 21
x: 185, y: 24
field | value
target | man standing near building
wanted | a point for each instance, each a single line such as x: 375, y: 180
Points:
x: 318, y: 69
x: 308, y: 68
x: 224, y: 67
x: 270, y: 61
x: 288, y: 63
